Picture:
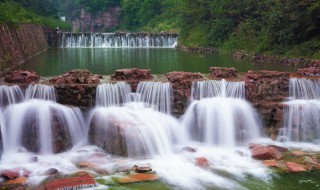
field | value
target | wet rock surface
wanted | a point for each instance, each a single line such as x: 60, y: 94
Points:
x: 265, y: 153
x: 266, y: 90
x: 309, y: 72
x: 223, y: 73
x: 132, y: 76
x: 181, y: 84
x: 76, y: 76
x: 22, y: 77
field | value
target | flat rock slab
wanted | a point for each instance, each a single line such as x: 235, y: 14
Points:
x: 265, y: 153
x: 72, y: 183
x: 295, y: 167
x: 141, y: 177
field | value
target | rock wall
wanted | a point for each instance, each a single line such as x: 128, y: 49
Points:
x: 19, y: 42
x: 104, y: 21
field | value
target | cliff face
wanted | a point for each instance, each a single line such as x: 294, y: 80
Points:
x: 104, y: 21
x: 20, y: 42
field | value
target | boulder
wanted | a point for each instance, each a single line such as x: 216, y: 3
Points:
x: 22, y: 77
x: 270, y: 163
x: 223, y: 72
x: 202, y: 162
x: 143, y: 169
x: 279, y: 148
x: 132, y: 76
x: 293, y: 167
x: 16, y: 181
x: 298, y: 153
x: 265, y: 153
x: 9, y: 174
x: 76, y: 76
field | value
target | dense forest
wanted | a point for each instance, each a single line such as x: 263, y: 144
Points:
x: 282, y: 27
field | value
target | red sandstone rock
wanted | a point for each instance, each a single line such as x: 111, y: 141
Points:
x: 279, y: 148
x: 17, y: 181
x: 223, y: 72
x: 20, y: 76
x: 71, y: 183
x: 9, y: 174
x: 202, y: 162
x: 309, y: 72
x: 141, y: 177
x: 265, y: 153
x: 298, y: 153
x: 253, y: 146
x: 270, y: 163
x: 295, y: 167
x: 76, y: 76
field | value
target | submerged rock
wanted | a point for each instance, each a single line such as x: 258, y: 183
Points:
x: 20, y: 76
x: 202, y: 162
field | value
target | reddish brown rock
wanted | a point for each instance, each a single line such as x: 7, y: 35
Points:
x: 253, y: 146
x: 309, y: 72
x: 181, y: 84
x: 279, y: 148
x: 9, y: 174
x: 72, y: 182
x: 298, y: 153
x: 22, y: 77
x: 132, y: 76
x: 295, y: 167
x: 76, y: 76
x: 86, y: 165
x: 265, y: 153
x: 266, y: 90
x: 223, y: 72
x: 143, y: 169
x: 270, y: 163
x: 17, y: 181
x: 202, y: 162
x: 141, y: 177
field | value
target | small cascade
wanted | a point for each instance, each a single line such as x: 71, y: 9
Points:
x: 113, y: 94
x: 134, y: 131
x: 10, y: 95
x: 39, y: 91
x: 214, y: 88
x: 156, y: 94
x: 302, y: 112
x: 41, y: 126
x: 119, y: 40
x: 219, y: 115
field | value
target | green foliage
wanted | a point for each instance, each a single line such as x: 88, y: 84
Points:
x: 48, y: 8
x: 96, y: 6
x: 14, y: 13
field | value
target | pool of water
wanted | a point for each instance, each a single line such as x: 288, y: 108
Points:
x: 55, y: 61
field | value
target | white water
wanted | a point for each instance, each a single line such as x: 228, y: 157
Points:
x: 10, y: 95
x: 157, y: 95
x: 114, y: 40
x: 38, y: 91
x: 219, y: 115
x: 39, y: 117
x: 302, y: 112
x: 148, y: 134
x: 113, y: 94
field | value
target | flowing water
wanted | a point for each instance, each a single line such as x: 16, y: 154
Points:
x: 302, y: 112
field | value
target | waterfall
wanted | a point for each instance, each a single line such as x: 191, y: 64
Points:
x: 113, y: 94
x: 119, y: 40
x: 214, y: 88
x: 134, y: 131
x: 41, y: 126
x: 219, y: 115
x: 156, y: 94
x: 10, y: 95
x: 302, y: 112
x: 39, y: 91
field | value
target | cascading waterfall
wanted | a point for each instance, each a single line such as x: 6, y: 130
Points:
x: 39, y: 91
x: 134, y: 131
x: 220, y: 116
x: 113, y: 94
x: 302, y: 112
x: 119, y: 40
x: 41, y: 126
x: 157, y: 95
x: 10, y: 95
